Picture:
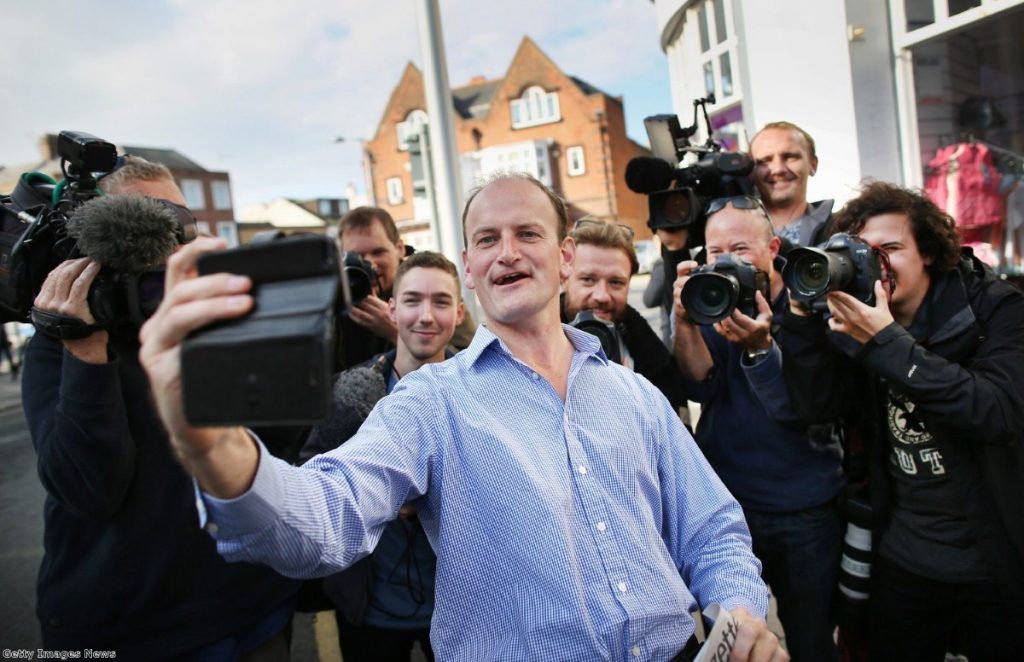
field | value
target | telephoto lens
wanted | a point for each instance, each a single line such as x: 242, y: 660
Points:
x: 855, y: 563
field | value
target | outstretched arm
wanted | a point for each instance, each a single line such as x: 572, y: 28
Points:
x: 224, y: 460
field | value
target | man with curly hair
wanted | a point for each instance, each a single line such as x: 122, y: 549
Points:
x: 936, y: 372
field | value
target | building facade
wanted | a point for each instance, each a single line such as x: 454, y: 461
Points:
x: 882, y: 85
x: 536, y: 119
x: 287, y: 216
x: 207, y: 192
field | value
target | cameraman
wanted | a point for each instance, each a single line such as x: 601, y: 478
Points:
x: 937, y: 373
x: 124, y: 567
x: 368, y: 329
x: 784, y: 159
x: 784, y: 474
x: 599, y: 282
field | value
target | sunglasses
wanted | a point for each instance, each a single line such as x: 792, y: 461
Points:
x: 739, y: 202
x: 188, y: 228
x: 584, y: 222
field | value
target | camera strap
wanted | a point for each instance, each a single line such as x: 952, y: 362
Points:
x: 61, y: 327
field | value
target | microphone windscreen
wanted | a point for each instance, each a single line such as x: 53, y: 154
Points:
x: 127, y: 233
x: 647, y: 174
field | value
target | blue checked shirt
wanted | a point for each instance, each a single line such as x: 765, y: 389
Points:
x: 583, y: 530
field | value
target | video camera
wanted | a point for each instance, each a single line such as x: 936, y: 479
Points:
x: 714, y: 290
x: 273, y: 366
x: 43, y: 223
x: 844, y: 263
x: 678, y: 194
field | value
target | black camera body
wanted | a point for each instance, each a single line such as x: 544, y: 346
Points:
x: 275, y: 365
x: 713, y: 291
x: 37, y: 232
x: 678, y: 195
x: 603, y: 330
x: 844, y: 263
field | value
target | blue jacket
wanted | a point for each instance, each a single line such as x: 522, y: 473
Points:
x: 750, y: 433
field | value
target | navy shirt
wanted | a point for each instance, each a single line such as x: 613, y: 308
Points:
x: 748, y: 430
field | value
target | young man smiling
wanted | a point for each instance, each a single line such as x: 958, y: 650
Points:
x: 384, y: 602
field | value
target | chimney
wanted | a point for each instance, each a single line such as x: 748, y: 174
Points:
x: 476, y: 80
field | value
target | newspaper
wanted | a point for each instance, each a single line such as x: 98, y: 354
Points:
x: 721, y: 639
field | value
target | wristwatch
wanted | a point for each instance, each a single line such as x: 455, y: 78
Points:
x: 755, y: 354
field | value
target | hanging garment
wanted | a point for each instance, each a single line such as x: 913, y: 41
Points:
x: 963, y: 180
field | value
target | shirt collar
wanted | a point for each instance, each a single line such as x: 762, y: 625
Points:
x: 484, y: 338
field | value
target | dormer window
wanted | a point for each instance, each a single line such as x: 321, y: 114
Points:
x: 535, y: 107
x: 414, y: 121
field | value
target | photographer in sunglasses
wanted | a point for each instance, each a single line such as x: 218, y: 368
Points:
x: 783, y: 472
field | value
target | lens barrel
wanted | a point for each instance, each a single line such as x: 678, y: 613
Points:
x: 710, y: 297
x: 811, y: 272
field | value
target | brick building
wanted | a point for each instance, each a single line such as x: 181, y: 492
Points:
x: 536, y: 118
x: 208, y: 192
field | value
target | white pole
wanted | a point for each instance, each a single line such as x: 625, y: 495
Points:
x: 444, y: 156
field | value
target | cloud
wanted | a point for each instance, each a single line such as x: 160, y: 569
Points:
x: 262, y: 88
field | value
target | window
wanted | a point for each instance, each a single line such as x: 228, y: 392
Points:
x: 717, y: 49
x: 414, y: 121
x: 535, y: 107
x: 194, y: 195
x: 227, y: 231
x: 203, y: 228
x: 221, y: 195
x: 577, y: 166
x: 395, y: 194
x: 325, y: 208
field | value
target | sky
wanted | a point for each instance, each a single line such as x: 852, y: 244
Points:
x: 262, y: 89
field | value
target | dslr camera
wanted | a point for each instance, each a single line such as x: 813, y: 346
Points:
x: 604, y: 330
x: 273, y: 366
x: 844, y: 263
x: 677, y: 195
x: 43, y: 223
x: 713, y: 291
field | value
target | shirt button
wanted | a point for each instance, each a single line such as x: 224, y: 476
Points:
x: 211, y: 527
x: 622, y: 587
x: 535, y: 376
x: 583, y: 470
x: 601, y: 526
x: 636, y: 651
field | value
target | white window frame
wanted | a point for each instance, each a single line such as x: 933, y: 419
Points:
x: 535, y: 107
x: 713, y: 56
x: 902, y: 42
x: 195, y: 196
x: 396, y: 195
x: 221, y: 191
x: 410, y: 126
x: 576, y: 163
x: 228, y: 231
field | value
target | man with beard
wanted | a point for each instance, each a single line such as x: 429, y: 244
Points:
x: 599, y: 283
